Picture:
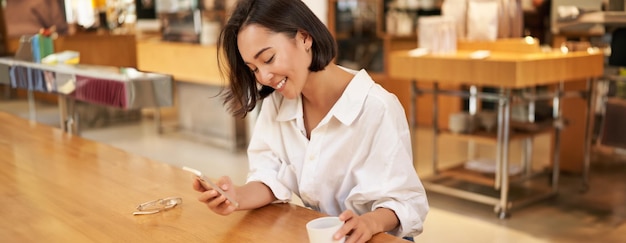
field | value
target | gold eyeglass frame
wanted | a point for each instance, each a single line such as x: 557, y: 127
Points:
x: 158, y: 205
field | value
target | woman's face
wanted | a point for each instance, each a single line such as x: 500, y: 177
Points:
x: 276, y: 60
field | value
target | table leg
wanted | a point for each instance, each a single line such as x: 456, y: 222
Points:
x: 32, y: 110
x: 587, y: 153
x: 435, y: 128
x: 557, y: 115
x: 504, y: 189
x: 527, y: 151
x: 72, y: 118
x: 473, y: 109
x: 413, y: 121
x: 157, y: 120
x: 499, y: 139
x: 62, y: 104
x: 527, y: 155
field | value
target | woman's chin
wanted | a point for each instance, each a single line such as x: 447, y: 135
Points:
x: 288, y: 95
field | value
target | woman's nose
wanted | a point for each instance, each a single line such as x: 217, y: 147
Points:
x: 265, y: 77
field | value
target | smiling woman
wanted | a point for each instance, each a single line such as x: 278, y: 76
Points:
x: 276, y: 18
x: 326, y: 133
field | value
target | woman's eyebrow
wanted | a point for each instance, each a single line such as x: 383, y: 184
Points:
x: 260, y: 52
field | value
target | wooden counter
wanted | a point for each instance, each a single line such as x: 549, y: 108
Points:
x: 510, y: 70
x: 187, y: 62
x: 507, y: 71
x: 513, y: 70
x: 56, y: 187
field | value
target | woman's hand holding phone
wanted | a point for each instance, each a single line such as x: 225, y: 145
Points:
x: 219, y: 197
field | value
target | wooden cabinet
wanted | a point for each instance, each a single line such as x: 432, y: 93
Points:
x: 101, y: 49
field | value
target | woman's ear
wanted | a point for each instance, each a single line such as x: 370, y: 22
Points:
x: 306, y: 39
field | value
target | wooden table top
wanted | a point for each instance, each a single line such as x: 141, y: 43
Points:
x: 500, y: 69
x: 56, y: 187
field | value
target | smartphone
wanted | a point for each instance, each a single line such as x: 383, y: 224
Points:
x: 207, y: 183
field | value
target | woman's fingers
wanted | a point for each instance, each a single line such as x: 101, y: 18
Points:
x: 224, y: 183
x: 213, y: 199
x: 208, y: 195
x: 354, y: 228
x: 198, y: 186
x: 348, y: 225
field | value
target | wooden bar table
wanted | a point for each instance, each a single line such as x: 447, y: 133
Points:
x: 508, y: 71
x: 56, y: 187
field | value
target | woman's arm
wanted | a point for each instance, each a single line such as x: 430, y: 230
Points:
x: 253, y: 195
x: 382, y: 220
x: 387, y: 178
x: 249, y: 196
x: 362, y: 228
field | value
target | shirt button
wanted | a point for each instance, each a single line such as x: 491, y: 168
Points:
x: 311, y: 157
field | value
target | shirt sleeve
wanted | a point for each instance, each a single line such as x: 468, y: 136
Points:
x: 387, y: 178
x: 265, y: 166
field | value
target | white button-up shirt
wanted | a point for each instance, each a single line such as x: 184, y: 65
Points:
x: 359, y: 156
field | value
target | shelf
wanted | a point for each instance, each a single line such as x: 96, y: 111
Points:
x: 518, y: 195
x: 484, y: 137
x: 533, y: 127
x: 459, y: 172
x: 616, y: 101
x: 387, y: 36
x: 342, y: 36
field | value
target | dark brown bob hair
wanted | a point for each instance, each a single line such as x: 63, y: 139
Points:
x: 279, y: 16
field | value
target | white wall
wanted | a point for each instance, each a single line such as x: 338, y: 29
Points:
x: 320, y: 8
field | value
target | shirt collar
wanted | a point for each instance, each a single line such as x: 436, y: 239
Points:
x: 290, y: 109
x: 347, y: 107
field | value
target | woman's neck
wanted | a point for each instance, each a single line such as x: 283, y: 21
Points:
x: 323, y: 88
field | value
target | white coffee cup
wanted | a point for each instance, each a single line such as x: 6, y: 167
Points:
x: 322, y: 230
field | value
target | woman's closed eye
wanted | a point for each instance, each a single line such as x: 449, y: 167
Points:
x: 256, y: 69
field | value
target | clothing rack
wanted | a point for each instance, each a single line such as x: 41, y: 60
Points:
x: 119, y: 87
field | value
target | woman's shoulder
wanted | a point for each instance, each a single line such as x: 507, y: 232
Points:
x: 377, y: 99
x: 381, y: 95
x: 383, y: 98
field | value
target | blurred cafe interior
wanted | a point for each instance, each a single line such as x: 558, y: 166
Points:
x: 517, y: 110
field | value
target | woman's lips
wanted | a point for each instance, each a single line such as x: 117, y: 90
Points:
x: 281, y: 84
